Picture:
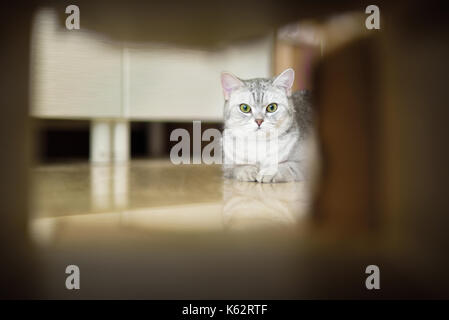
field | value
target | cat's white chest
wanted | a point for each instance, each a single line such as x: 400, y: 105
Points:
x: 262, y: 150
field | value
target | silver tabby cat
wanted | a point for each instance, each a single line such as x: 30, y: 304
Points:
x: 265, y: 129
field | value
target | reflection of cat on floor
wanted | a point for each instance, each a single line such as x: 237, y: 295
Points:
x: 264, y: 112
x: 254, y: 205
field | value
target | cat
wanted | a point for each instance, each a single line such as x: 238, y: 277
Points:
x: 263, y: 111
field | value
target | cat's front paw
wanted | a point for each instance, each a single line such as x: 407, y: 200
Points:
x: 273, y: 178
x: 284, y: 173
x: 266, y: 175
x: 245, y: 173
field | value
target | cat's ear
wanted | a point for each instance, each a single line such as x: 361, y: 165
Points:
x: 285, y: 80
x: 229, y: 82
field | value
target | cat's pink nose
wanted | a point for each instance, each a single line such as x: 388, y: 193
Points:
x: 259, y: 122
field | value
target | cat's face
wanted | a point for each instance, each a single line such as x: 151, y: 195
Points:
x: 257, y: 105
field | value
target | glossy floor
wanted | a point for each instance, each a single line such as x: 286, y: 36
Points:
x: 158, y: 195
x: 151, y: 229
x: 154, y: 230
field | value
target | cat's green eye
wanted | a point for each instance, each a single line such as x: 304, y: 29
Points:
x: 272, y: 107
x: 245, y: 108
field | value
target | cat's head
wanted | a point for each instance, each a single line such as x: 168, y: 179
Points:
x: 257, y: 105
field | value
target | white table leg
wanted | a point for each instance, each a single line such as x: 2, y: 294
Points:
x: 100, y: 141
x: 121, y: 137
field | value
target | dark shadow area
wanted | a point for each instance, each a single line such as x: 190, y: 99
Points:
x: 62, y: 141
x: 68, y: 141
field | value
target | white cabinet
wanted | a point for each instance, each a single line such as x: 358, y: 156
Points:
x: 80, y: 74
x: 74, y: 74
x: 170, y: 83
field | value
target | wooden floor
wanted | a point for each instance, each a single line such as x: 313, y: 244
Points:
x: 158, y: 195
x: 154, y: 230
